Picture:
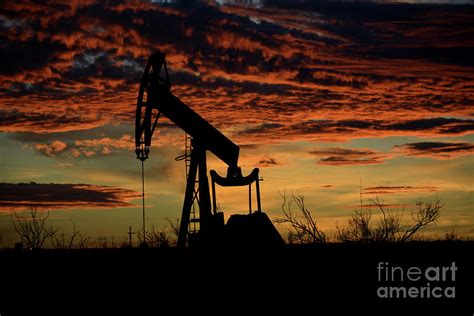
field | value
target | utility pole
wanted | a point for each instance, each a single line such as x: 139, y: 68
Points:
x: 130, y: 233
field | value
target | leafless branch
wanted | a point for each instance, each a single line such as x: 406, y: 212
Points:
x: 389, y: 227
x: 425, y: 214
x: 32, y: 228
x: 304, y: 228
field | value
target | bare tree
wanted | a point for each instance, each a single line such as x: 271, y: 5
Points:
x: 58, y: 241
x: 157, y: 239
x: 424, y: 214
x: 389, y: 227
x: 173, y: 227
x: 165, y: 237
x: 303, y: 228
x: 82, y: 241
x: 358, y: 228
x: 32, y: 229
x: 452, y: 235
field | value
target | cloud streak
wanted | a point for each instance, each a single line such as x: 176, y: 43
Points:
x: 437, y: 150
x: 346, y: 157
x: 398, y: 189
x: 268, y: 161
x: 19, y: 196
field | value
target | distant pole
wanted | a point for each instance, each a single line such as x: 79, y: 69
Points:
x: 130, y: 233
x: 143, y: 201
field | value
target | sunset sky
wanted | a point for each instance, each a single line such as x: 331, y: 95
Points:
x: 336, y: 101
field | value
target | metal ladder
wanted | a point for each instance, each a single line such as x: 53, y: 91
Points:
x: 194, y: 219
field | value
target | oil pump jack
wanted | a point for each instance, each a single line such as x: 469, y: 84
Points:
x: 154, y: 99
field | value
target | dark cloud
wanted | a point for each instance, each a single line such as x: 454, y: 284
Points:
x: 262, y: 129
x: 337, y: 130
x: 448, y: 55
x: 18, y: 56
x: 443, y: 125
x: 345, y: 156
x: 99, y: 65
x: 268, y: 162
x: 59, y: 196
x: 437, y: 150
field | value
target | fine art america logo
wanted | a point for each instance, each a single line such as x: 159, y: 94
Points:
x: 431, y: 282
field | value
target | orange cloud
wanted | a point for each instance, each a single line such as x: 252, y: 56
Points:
x: 398, y: 189
x: 124, y: 142
x: 52, y: 149
x: 317, y: 77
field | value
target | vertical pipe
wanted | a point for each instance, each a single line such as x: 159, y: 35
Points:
x: 259, y: 207
x: 250, y: 198
x: 143, y: 201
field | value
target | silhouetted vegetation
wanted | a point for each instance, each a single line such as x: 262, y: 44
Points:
x: 452, y: 235
x: 362, y: 226
x: 389, y: 227
x: 173, y: 227
x: 165, y: 237
x: 102, y: 242
x: 303, y: 227
x: 32, y: 228
x: 375, y: 222
x: 58, y: 241
x: 154, y: 239
x: 82, y: 241
x: 35, y: 230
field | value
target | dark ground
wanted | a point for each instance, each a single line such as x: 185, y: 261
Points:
x: 331, y: 279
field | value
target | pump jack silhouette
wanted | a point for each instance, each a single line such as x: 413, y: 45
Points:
x: 154, y: 99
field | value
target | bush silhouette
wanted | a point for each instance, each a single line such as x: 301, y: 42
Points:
x: 361, y: 228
